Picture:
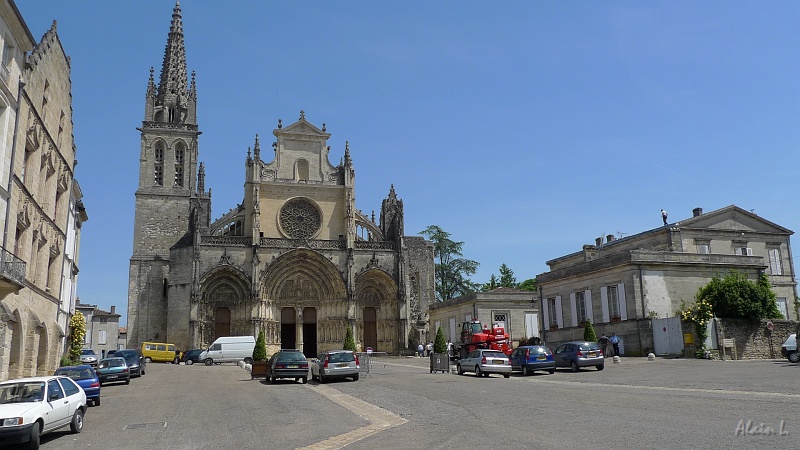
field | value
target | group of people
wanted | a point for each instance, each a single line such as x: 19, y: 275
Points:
x: 427, y: 349
x: 604, y: 341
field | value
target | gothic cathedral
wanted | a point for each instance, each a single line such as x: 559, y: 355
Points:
x: 296, y: 259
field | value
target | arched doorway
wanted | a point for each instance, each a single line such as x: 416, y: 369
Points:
x: 222, y: 322
x: 370, y: 328
x: 310, y: 332
x: 288, y: 328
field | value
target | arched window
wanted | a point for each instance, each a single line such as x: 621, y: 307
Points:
x: 159, y: 164
x: 179, y: 151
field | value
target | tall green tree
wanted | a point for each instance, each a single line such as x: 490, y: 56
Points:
x: 507, y: 277
x: 452, y: 270
x: 492, y: 284
x: 349, y: 342
x: 439, y: 344
x: 736, y: 297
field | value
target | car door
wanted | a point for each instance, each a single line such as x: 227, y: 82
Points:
x: 74, y: 394
x: 514, y: 357
x: 559, y: 355
x: 58, y: 403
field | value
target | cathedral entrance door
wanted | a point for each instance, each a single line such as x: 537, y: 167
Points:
x: 310, y: 332
x: 222, y: 322
x: 288, y: 328
x: 370, y: 328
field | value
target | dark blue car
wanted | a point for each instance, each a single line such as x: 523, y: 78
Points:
x: 530, y: 358
x: 86, y: 378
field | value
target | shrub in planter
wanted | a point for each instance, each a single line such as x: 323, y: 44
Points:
x: 349, y: 342
x: 588, y: 332
x: 260, y: 350
x: 439, y: 343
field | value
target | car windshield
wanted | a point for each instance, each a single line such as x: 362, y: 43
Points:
x: 22, y: 392
x: 291, y: 356
x: 88, y: 352
x: 115, y: 362
x: 76, y: 373
x: 589, y: 346
x: 494, y: 354
x: 341, y: 357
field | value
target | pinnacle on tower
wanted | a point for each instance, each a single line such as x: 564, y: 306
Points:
x: 173, y: 87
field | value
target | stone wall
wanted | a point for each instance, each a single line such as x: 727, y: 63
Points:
x: 753, y: 340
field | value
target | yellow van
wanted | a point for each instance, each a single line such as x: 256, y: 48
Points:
x: 157, y: 351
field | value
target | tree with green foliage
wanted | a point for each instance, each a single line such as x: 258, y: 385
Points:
x: 492, y: 284
x: 439, y: 344
x: 736, y: 297
x: 588, y: 332
x: 77, y: 326
x: 507, y: 277
x: 528, y: 285
x: 349, y: 342
x: 260, y: 350
x: 452, y: 271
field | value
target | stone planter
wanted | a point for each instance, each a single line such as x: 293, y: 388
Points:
x: 553, y: 327
x: 258, y: 370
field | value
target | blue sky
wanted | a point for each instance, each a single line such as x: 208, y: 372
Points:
x: 525, y: 129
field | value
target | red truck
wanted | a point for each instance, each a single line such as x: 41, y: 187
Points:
x: 474, y: 335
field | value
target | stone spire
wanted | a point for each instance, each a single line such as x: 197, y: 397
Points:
x: 257, y: 150
x: 173, y: 88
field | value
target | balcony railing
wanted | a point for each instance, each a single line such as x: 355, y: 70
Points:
x: 12, y: 269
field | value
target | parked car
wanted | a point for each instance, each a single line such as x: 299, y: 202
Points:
x: 30, y: 407
x: 579, y: 354
x: 159, y: 352
x: 86, y: 378
x: 112, y: 370
x: 192, y: 356
x: 135, y: 361
x: 110, y: 353
x: 230, y: 349
x: 483, y: 361
x: 530, y: 358
x: 789, y: 349
x: 287, y: 363
x: 335, y: 364
x: 89, y: 357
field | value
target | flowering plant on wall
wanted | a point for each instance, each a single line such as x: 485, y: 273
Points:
x: 700, y: 313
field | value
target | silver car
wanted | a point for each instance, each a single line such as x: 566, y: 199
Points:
x: 484, y: 362
x: 89, y: 357
x: 335, y: 364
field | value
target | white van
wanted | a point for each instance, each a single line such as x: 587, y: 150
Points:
x: 229, y: 349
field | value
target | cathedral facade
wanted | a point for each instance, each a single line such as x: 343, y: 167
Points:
x: 295, y: 259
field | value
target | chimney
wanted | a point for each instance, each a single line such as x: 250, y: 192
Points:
x: 610, y: 238
x: 113, y: 310
x: 697, y: 212
x: 598, y: 242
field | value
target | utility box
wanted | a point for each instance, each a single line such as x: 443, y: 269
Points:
x: 688, y: 339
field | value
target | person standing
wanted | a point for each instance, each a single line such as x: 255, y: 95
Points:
x: 420, y: 350
x: 429, y: 348
x: 614, y: 339
x: 603, y: 341
x: 664, y: 216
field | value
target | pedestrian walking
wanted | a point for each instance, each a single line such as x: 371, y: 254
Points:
x: 603, y: 341
x: 664, y: 216
x: 429, y: 348
x: 420, y: 350
x: 614, y: 339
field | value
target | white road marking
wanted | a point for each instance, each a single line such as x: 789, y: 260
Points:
x: 379, y: 418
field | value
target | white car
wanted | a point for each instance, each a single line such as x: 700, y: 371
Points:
x: 789, y: 349
x: 30, y: 407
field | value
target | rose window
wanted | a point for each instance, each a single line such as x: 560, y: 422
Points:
x: 300, y: 218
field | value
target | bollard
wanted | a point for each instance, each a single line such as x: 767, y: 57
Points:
x: 248, y: 367
x: 616, y: 359
x: 651, y: 356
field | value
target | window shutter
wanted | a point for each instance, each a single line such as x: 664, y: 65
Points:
x: 546, y: 313
x: 587, y: 296
x: 559, y: 312
x: 604, y: 303
x: 623, y: 306
x: 775, y: 261
x: 574, y: 305
x: 749, y: 251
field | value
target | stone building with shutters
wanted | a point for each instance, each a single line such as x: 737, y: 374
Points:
x: 295, y: 259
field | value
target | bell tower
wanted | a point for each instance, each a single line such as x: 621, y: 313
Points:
x: 171, y: 198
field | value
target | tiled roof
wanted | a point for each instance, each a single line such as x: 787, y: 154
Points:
x: 123, y: 330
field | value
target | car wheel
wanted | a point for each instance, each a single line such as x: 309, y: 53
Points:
x: 148, y: 360
x: 794, y: 357
x: 525, y: 370
x: 601, y: 367
x: 296, y: 379
x: 355, y: 377
x: 209, y: 361
x: 574, y: 366
x: 77, y: 421
x: 552, y: 371
x: 322, y: 378
x: 460, y: 370
x: 248, y: 360
x: 189, y: 362
x: 101, y: 384
x: 128, y: 380
x: 305, y: 380
x: 272, y: 378
x: 97, y: 401
x: 478, y: 371
x: 506, y: 375
x: 36, y: 432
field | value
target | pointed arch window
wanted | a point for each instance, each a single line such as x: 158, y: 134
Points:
x: 159, y: 164
x: 179, y: 153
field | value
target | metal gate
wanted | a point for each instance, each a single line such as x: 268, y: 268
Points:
x: 668, y: 336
